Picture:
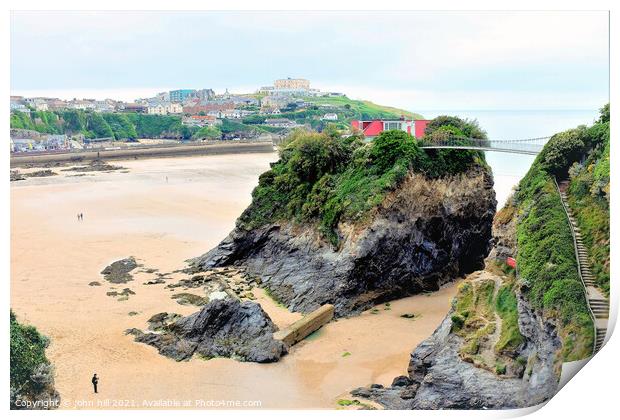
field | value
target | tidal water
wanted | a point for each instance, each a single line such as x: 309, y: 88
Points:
x: 509, y: 168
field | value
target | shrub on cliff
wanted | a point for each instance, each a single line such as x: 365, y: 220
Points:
x: 588, y: 195
x: 562, y: 150
x: 467, y: 128
x: 452, y: 160
x: 31, y: 374
x: 325, y: 178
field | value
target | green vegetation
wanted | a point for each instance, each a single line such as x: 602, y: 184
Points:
x: 128, y: 126
x: 457, y: 126
x: 354, y: 403
x: 41, y: 121
x: 506, y: 307
x: 473, y: 313
x: 476, y: 309
x: 546, y: 257
x: 589, y: 198
x: 30, y: 370
x: 159, y: 126
x: 208, y: 132
x: 355, y: 109
x: 346, y: 109
x: 325, y: 178
x: 121, y: 126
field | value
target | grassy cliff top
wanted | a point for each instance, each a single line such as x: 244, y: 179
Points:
x: 363, y: 109
x: 324, y: 178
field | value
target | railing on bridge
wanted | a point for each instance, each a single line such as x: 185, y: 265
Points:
x: 522, y: 146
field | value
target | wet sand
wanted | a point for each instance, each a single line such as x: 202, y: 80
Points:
x: 162, y: 223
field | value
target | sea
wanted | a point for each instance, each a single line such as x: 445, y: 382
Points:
x: 509, y: 168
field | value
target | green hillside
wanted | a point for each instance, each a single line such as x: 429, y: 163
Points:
x: 546, y: 254
x: 362, y: 109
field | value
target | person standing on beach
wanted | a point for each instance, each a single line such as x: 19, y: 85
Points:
x: 95, y: 381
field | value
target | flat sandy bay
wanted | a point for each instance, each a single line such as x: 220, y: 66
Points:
x: 162, y: 212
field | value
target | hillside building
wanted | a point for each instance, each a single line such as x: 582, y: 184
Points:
x: 372, y: 128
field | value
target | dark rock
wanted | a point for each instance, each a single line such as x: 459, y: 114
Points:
x: 223, y: 328
x: 158, y: 280
x: 425, y: 234
x: 94, y: 283
x: 17, y: 176
x: 161, y: 320
x: 40, y: 174
x: 118, y: 271
x: 125, y: 293
x: 96, y: 165
x: 361, y: 392
x: 190, y: 299
x: 402, y: 381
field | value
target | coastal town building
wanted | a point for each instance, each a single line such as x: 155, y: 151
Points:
x: 215, y: 106
x: 39, y: 104
x: 330, y: 116
x: 291, y: 84
x: 265, y: 90
x: 280, y: 123
x: 134, y: 107
x: 372, y: 128
x: 46, y: 142
x: 275, y: 101
x: 180, y: 95
x: 200, y: 120
x: 165, y: 108
x: 18, y: 104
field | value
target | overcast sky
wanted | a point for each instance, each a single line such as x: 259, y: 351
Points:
x: 415, y: 60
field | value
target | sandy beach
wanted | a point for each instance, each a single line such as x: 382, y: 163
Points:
x: 162, y: 212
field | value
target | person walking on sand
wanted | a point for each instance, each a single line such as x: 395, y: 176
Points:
x: 95, y: 381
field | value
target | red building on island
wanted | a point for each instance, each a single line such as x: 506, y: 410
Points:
x: 372, y: 128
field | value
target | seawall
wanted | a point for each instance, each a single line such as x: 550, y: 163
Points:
x: 141, y: 152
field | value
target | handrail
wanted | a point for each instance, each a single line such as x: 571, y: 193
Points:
x: 583, y: 283
x: 488, y: 149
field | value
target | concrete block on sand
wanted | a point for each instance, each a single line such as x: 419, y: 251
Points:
x: 299, y: 330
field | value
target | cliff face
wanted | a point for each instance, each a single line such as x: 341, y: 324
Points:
x: 423, y: 234
x: 439, y: 378
x: 502, y: 354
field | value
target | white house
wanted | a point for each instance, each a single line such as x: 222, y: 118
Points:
x: 165, y: 108
x: 330, y: 116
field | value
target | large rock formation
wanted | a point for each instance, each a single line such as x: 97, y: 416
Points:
x: 222, y: 328
x: 438, y: 377
x: 423, y: 234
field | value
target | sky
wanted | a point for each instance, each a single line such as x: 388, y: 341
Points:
x: 414, y: 60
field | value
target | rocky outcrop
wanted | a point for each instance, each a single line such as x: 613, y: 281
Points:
x: 222, y: 328
x: 424, y: 234
x: 119, y: 271
x: 438, y: 378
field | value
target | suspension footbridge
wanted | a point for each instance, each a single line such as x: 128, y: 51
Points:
x: 531, y: 146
